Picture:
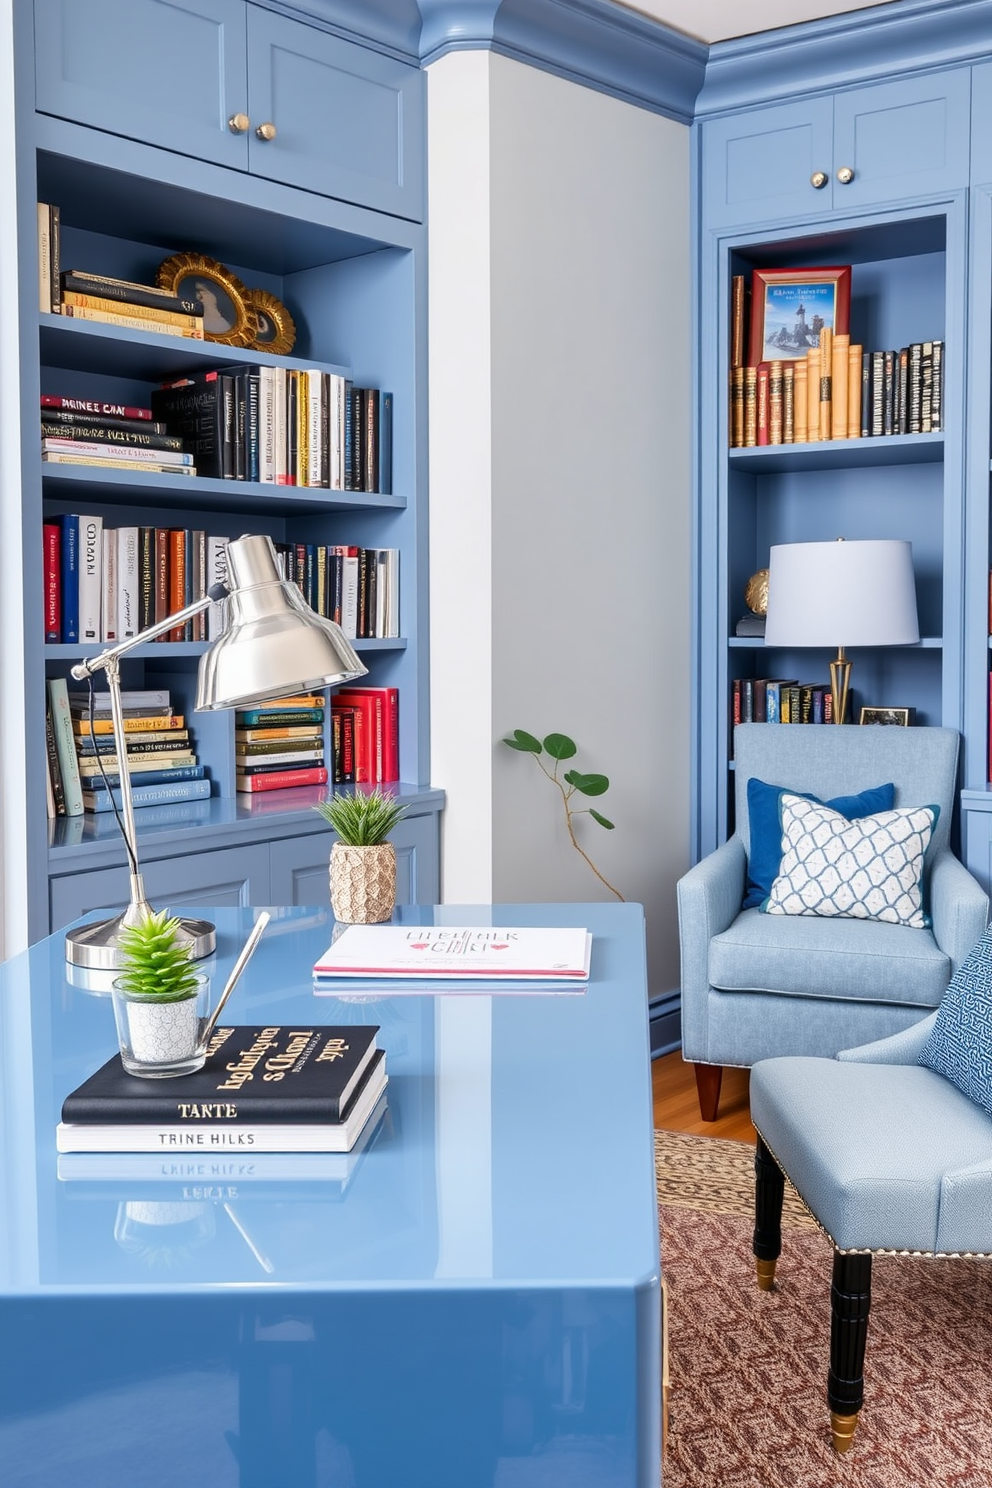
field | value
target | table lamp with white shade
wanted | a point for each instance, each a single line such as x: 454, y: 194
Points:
x: 840, y: 594
x: 272, y: 643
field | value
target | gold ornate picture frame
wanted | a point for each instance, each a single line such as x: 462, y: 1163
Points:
x: 227, y: 314
x: 276, y: 329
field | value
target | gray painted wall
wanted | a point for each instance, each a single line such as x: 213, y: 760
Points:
x: 584, y: 507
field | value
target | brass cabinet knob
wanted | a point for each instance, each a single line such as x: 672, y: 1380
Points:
x: 239, y: 123
x: 845, y: 175
x: 818, y: 180
x: 266, y: 132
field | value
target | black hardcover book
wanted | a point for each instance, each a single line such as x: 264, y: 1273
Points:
x: 889, y: 394
x: 902, y: 391
x: 240, y: 381
x: 926, y: 389
x: 194, y: 411
x: 877, y: 392
x: 97, y: 434
x: 915, y: 387
x: 130, y: 294
x: 67, y: 416
x: 228, y: 421
x: 865, y: 394
x: 289, y: 1076
x: 386, y: 444
x: 349, y: 439
x: 356, y: 404
x: 252, y: 428
x: 370, y: 439
x: 146, y: 577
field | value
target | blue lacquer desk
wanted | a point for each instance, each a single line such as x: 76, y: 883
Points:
x: 472, y: 1301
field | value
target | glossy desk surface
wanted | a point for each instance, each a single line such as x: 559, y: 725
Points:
x: 491, y: 1252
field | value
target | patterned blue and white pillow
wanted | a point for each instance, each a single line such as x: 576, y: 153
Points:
x: 867, y: 869
x: 960, y: 1042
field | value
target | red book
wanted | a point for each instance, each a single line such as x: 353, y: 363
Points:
x: 177, y: 580
x: 281, y: 779
x: 368, y: 731
x: 386, y: 726
x: 53, y: 582
x: 162, y: 610
x: 98, y: 410
x: 764, y: 416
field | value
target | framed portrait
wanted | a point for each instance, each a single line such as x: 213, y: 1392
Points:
x: 227, y: 316
x: 275, y: 328
x: 789, y: 308
x: 899, y: 716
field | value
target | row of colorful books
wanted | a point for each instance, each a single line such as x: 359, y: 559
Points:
x: 86, y: 296
x: 106, y: 584
x: 780, y: 700
x: 282, y: 746
x: 840, y: 391
x: 84, y: 759
x: 84, y: 431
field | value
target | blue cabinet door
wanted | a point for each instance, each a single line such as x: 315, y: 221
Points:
x: 172, y: 72
x: 758, y: 167
x: 981, y: 124
x: 348, y: 121
x: 902, y: 139
x: 227, y: 876
x: 299, y: 866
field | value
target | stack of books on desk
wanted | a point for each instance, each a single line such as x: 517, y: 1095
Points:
x: 271, y: 1089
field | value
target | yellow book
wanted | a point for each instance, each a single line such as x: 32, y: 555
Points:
x: 136, y: 764
x: 838, y: 387
x: 750, y: 406
x: 800, y: 403
x: 825, y: 372
x: 132, y: 322
x: 163, y: 725
x: 813, y: 393
x: 854, y: 392
x: 290, y: 731
x: 788, y: 402
x: 302, y: 418
x: 81, y: 301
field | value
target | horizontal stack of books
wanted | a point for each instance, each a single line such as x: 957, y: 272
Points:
x: 365, y: 745
x: 109, y: 436
x: 333, y: 1087
x: 281, y: 745
x: 780, y: 700
x: 282, y: 426
x: 357, y: 588
x: 106, y: 584
x: 159, y: 755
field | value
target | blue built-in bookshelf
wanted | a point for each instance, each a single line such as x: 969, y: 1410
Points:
x: 328, y: 217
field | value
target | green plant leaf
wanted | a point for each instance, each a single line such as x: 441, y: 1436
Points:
x: 524, y: 741
x: 601, y: 819
x: 592, y: 785
x: 362, y: 819
x: 560, y: 746
x: 571, y: 777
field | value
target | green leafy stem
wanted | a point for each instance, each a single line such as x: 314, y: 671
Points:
x: 560, y: 747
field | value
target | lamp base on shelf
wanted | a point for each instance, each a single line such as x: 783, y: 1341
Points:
x: 95, y: 945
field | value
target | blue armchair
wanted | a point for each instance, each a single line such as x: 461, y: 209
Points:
x: 756, y: 985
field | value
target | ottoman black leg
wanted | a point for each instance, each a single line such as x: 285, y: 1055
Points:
x: 769, y: 1190
x: 850, y: 1298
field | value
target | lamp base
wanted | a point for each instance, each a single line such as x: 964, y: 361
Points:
x: 840, y: 685
x: 95, y: 945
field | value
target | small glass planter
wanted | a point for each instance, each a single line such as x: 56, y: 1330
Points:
x: 160, y: 1039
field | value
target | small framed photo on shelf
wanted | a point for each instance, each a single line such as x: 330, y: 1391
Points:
x: 789, y: 308
x: 276, y: 331
x: 900, y: 716
x: 227, y: 316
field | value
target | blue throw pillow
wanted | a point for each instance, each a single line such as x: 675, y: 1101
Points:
x: 765, y: 857
x: 960, y: 1042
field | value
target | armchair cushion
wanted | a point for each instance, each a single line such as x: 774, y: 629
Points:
x: 868, y: 869
x: 765, y: 852
x: 848, y: 960
x: 960, y: 1042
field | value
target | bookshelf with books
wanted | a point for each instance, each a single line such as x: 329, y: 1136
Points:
x: 788, y: 483
x: 354, y: 281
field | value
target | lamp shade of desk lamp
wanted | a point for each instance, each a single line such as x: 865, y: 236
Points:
x: 272, y: 643
x: 840, y: 594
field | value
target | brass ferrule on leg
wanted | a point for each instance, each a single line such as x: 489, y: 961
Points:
x: 766, y: 1274
x: 842, y: 1429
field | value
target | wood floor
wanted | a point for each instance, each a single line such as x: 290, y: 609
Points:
x: 677, y: 1109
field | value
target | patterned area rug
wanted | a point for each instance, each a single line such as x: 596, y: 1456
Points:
x: 748, y: 1368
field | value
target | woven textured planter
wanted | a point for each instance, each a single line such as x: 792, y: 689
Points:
x: 363, y: 883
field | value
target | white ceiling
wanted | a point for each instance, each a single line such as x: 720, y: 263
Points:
x: 718, y: 20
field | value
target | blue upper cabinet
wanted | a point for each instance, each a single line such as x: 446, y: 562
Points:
x: 862, y: 147
x: 240, y: 86
x: 347, y: 121
x: 981, y: 124
x: 170, y: 72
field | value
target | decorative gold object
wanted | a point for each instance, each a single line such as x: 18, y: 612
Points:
x: 276, y: 331
x: 266, y: 132
x: 239, y: 123
x: 756, y: 592
x: 766, y: 1274
x: 842, y: 1429
x: 227, y: 316
x: 363, y: 883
